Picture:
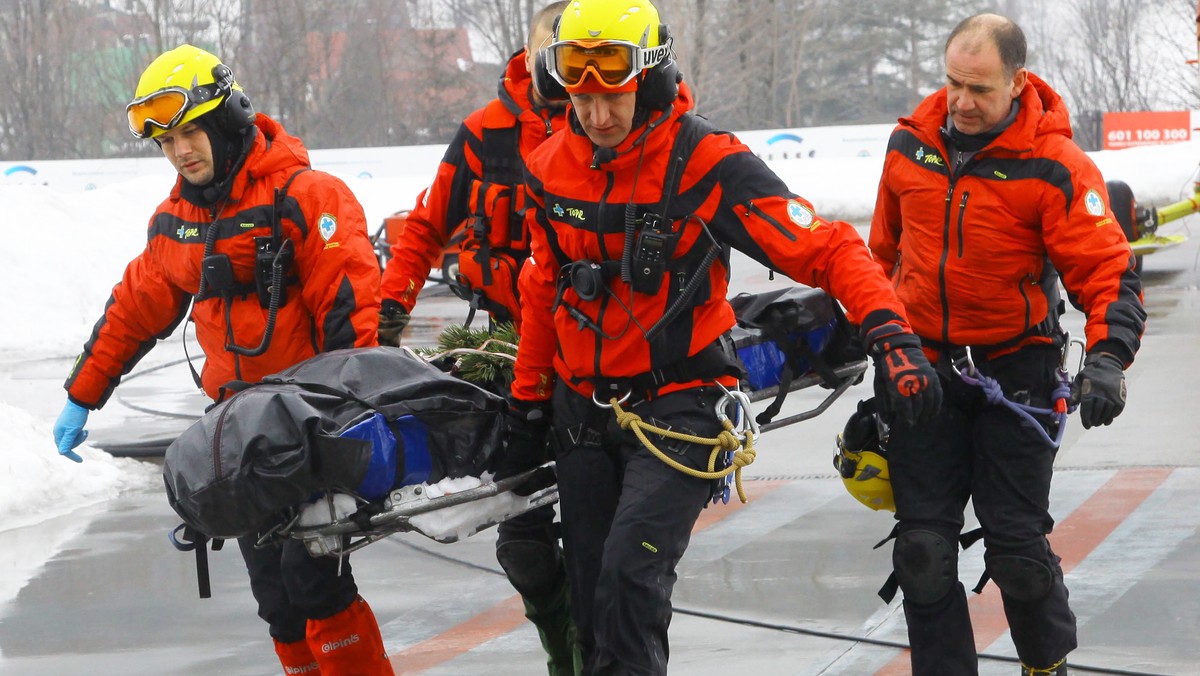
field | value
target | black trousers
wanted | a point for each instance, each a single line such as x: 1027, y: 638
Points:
x: 984, y: 452
x: 627, y: 518
x: 291, y: 587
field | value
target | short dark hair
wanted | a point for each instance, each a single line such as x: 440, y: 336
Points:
x: 1002, y: 32
x: 544, y: 18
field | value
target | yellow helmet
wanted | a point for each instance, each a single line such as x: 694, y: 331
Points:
x: 180, y: 86
x: 612, y: 41
x: 861, y: 459
x: 865, y: 475
x: 633, y: 21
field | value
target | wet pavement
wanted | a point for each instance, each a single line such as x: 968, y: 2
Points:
x: 783, y: 585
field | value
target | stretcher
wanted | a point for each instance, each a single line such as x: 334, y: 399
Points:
x: 353, y: 446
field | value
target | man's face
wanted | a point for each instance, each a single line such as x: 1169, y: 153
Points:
x: 606, y: 118
x: 979, y: 92
x: 188, y: 149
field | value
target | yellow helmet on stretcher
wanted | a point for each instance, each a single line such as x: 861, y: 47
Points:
x: 861, y: 459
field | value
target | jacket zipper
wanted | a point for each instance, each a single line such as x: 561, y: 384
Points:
x: 752, y: 209
x: 216, y: 442
x: 1025, y: 297
x: 608, y: 185
x: 962, y: 212
x: 942, y: 290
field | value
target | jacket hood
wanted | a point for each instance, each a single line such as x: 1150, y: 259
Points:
x: 515, y: 88
x: 1042, y: 113
x: 273, y: 150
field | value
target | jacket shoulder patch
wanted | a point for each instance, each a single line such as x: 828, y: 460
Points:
x: 1094, y: 203
x: 327, y: 226
x: 800, y: 214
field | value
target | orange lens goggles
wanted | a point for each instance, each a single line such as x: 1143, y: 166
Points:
x: 166, y: 107
x: 163, y: 109
x: 612, y: 63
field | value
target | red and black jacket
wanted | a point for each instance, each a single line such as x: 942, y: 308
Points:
x: 332, y: 294
x: 479, y: 188
x: 966, y: 246
x: 580, y: 203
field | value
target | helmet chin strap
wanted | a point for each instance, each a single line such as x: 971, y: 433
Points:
x: 605, y: 155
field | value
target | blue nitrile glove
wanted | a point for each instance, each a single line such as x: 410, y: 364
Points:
x: 910, y: 386
x: 68, y: 430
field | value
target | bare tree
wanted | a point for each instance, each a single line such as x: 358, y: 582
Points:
x: 345, y: 73
x: 1098, y: 64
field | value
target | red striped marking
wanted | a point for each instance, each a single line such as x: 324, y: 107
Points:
x: 1073, y: 539
x: 508, y: 614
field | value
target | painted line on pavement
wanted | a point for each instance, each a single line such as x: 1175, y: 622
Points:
x: 508, y: 615
x: 1139, y: 545
x: 1074, y: 538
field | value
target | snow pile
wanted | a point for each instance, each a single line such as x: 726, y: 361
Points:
x: 38, y: 485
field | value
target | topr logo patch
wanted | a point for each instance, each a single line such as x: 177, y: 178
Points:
x: 1094, y: 203
x: 327, y: 226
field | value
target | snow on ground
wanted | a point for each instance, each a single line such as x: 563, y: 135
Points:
x: 63, y: 252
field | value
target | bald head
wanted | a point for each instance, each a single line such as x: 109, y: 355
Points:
x: 982, y: 32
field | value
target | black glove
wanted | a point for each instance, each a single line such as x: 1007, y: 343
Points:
x: 527, y: 427
x: 392, y: 320
x: 909, y: 384
x: 1099, y: 389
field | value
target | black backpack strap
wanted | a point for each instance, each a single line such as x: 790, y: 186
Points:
x: 185, y: 539
x: 502, y: 161
x: 692, y: 128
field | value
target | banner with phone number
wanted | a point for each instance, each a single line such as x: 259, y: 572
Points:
x: 1127, y: 130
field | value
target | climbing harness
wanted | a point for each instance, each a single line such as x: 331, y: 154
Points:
x: 1060, y: 397
x: 732, y: 450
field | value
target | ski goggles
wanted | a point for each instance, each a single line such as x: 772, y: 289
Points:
x: 166, y: 107
x: 613, y: 63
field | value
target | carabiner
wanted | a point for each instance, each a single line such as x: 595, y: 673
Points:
x: 744, y: 420
x: 970, y: 370
x: 604, y: 404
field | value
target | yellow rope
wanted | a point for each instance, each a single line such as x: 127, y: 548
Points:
x: 743, y: 451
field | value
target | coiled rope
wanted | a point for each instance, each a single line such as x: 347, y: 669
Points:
x: 728, y: 441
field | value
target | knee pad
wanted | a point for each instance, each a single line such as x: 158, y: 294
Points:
x: 534, y: 569
x: 926, y: 566
x: 1020, y: 577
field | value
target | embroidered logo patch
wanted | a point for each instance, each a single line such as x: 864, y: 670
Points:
x: 1094, y: 203
x: 327, y: 225
x: 800, y: 214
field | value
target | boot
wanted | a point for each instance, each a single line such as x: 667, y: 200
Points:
x: 535, y: 568
x: 348, y: 643
x: 556, y: 629
x: 296, y: 658
x: 1059, y: 668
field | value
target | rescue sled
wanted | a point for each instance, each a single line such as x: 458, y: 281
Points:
x: 1140, y: 223
x: 429, y: 510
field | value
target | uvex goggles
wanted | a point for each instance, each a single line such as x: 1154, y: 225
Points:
x: 611, y: 62
x: 166, y: 107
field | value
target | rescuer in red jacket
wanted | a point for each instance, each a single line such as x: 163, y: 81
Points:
x: 480, y: 187
x: 479, y: 191
x: 625, y: 296
x: 983, y: 197
x: 272, y: 262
